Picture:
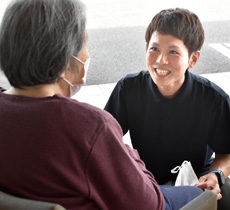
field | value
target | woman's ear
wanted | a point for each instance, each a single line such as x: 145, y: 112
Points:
x: 68, y: 69
x: 62, y: 75
x: 194, y: 59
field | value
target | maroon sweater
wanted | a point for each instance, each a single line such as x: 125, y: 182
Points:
x: 60, y: 150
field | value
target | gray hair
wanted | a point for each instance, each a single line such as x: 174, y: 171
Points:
x: 38, y: 38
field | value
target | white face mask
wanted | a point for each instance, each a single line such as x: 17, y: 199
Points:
x: 74, y: 88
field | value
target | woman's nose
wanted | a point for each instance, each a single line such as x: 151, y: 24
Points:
x: 162, y: 59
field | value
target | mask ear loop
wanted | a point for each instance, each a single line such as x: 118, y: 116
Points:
x: 78, y: 59
x: 68, y: 82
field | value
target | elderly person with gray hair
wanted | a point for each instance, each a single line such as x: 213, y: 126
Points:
x: 54, y: 148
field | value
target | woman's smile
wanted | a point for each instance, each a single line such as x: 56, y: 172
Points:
x: 162, y: 72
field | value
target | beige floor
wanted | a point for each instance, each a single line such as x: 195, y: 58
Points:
x: 98, y: 95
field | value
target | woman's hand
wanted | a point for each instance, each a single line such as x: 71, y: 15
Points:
x: 210, y: 182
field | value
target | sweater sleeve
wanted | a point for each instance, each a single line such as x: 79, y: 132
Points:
x: 117, y: 178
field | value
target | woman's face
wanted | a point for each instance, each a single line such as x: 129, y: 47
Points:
x: 77, y: 68
x: 167, y: 60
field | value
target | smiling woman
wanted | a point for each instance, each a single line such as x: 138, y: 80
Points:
x: 167, y: 60
x: 172, y: 114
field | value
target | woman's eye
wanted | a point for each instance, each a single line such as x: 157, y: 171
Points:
x: 173, y: 52
x: 153, y: 49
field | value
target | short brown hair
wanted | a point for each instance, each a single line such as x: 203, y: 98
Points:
x: 180, y: 23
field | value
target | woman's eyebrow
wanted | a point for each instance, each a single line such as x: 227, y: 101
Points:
x: 154, y: 43
x: 173, y: 47
x: 170, y: 46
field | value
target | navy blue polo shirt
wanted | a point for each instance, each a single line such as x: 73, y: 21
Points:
x: 168, y: 131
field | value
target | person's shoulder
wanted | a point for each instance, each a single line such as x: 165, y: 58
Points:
x: 137, y: 75
x: 84, y: 111
x: 206, y: 85
x: 135, y: 78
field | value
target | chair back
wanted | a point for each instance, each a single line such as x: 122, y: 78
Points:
x: 10, y: 202
x: 206, y: 201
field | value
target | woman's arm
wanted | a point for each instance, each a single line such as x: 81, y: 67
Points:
x: 210, y: 181
x: 117, y: 178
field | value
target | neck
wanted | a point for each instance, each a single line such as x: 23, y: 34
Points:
x: 37, y: 91
x: 170, y: 91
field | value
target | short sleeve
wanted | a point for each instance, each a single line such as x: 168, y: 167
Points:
x: 219, y: 139
x: 117, y: 106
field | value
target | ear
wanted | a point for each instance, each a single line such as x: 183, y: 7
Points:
x: 194, y: 59
x: 67, y: 70
x: 62, y: 75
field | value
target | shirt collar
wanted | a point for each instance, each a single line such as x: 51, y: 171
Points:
x: 183, y: 94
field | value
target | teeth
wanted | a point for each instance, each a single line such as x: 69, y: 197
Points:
x: 162, y: 72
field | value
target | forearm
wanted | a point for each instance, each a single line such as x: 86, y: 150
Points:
x: 117, y: 178
x: 221, y: 162
x: 141, y: 165
x: 210, y: 181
